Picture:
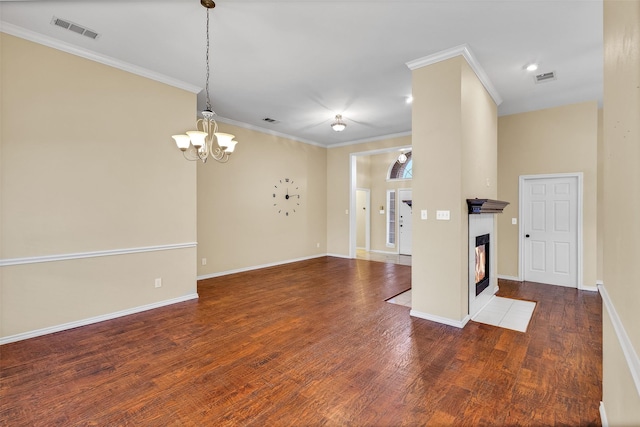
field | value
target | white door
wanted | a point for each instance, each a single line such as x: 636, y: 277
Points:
x: 550, y: 218
x: 404, y: 221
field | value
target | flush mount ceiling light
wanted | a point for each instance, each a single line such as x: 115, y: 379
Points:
x: 402, y: 158
x: 198, y: 144
x: 531, y: 67
x: 338, y: 125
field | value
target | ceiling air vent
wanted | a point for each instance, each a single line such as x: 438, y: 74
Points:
x: 78, y: 29
x: 269, y: 120
x: 545, y: 77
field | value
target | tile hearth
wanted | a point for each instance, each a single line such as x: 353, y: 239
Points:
x: 506, y: 313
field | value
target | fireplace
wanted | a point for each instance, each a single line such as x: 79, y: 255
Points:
x: 482, y: 263
x: 483, y: 253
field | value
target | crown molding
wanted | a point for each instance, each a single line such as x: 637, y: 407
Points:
x: 373, y: 139
x: 267, y: 131
x: 468, y: 55
x: 32, y: 36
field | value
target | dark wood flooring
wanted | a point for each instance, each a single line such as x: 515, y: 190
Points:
x: 311, y: 343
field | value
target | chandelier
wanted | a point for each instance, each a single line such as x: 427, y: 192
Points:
x: 199, y: 144
x: 338, y: 125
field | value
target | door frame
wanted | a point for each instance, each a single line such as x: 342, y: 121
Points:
x: 579, y: 256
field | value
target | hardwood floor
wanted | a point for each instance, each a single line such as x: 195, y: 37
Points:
x: 312, y: 343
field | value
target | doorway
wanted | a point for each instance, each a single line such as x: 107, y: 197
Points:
x: 551, y: 229
x: 404, y: 221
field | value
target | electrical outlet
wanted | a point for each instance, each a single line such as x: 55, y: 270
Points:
x: 204, y: 261
x: 317, y: 245
x: 158, y: 282
x: 423, y: 214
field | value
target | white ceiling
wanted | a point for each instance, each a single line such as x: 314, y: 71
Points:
x: 303, y: 61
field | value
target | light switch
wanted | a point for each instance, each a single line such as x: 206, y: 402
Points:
x: 443, y: 215
x: 514, y: 221
x: 423, y: 214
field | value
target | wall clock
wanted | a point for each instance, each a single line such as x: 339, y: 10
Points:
x: 286, y: 196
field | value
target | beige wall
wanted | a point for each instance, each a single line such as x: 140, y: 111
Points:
x: 454, y: 153
x: 338, y: 188
x: 86, y: 168
x: 621, y: 136
x: 555, y: 140
x: 238, y: 226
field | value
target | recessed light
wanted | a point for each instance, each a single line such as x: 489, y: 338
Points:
x: 532, y: 67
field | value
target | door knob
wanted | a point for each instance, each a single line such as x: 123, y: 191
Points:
x: 526, y: 235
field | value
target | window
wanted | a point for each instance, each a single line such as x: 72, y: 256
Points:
x: 391, y: 218
x: 402, y: 170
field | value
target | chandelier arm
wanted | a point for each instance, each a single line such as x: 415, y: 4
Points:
x: 219, y: 155
x: 192, y: 157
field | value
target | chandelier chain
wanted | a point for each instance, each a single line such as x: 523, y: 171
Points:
x: 207, y: 57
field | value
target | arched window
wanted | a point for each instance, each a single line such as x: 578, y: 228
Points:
x: 402, y: 170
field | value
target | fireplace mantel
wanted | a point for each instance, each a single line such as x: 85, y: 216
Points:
x: 480, y: 206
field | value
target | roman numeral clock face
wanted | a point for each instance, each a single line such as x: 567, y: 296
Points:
x: 286, y: 196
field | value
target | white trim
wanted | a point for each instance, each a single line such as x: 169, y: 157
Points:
x: 373, y: 139
x: 444, y: 320
x: 258, y: 267
x: 95, y: 254
x: 308, y: 141
x: 338, y: 256
x: 589, y: 288
x: 512, y: 278
x: 23, y: 33
x: 633, y: 362
x: 267, y: 131
x: 579, y: 228
x: 599, y: 282
x: 385, y: 252
x: 96, y: 319
x: 603, y: 415
x: 468, y: 55
x: 353, y: 179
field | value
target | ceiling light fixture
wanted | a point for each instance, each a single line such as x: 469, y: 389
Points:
x: 338, y: 125
x: 198, y: 144
x: 402, y: 158
x: 409, y: 99
x: 531, y: 67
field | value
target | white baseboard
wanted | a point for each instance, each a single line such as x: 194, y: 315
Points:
x: 588, y: 288
x: 603, y: 416
x: 258, y: 267
x: 339, y: 256
x: 444, y: 320
x: 630, y: 355
x: 386, y: 252
x: 96, y: 319
x: 512, y: 278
